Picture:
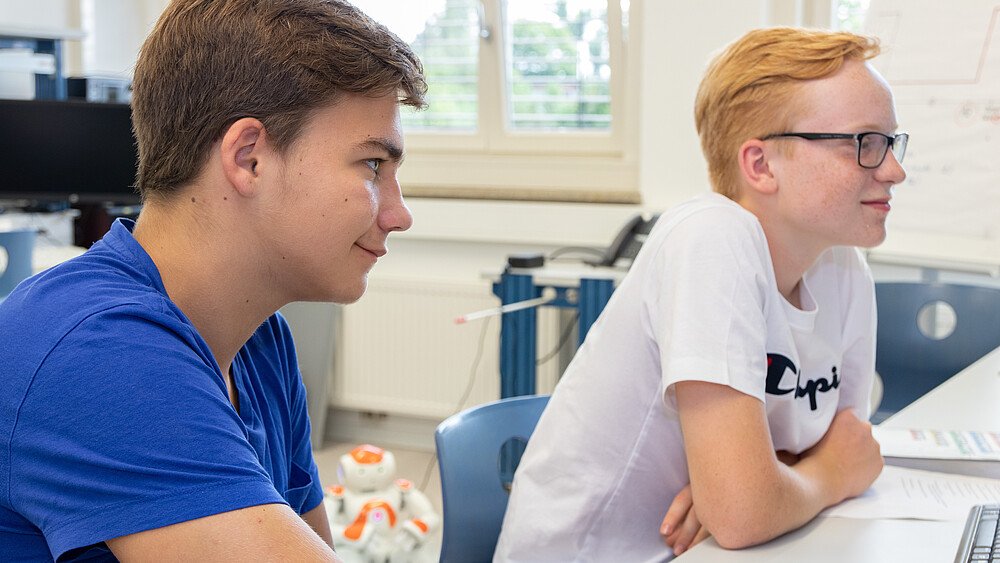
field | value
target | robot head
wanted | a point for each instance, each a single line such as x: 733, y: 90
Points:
x: 367, y: 469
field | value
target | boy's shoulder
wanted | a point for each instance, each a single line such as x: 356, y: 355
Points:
x: 711, y: 207
x: 711, y: 218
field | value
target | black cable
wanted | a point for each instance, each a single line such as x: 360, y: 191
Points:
x: 475, y: 365
x: 427, y: 472
x: 465, y: 395
x: 45, y: 235
x: 563, y: 338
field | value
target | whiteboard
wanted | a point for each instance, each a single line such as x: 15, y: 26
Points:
x: 942, y: 60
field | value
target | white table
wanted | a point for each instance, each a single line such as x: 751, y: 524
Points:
x: 967, y: 401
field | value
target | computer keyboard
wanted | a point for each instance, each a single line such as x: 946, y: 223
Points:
x: 980, y: 541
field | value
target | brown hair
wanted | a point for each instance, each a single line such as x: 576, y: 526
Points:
x: 748, y: 89
x: 208, y: 63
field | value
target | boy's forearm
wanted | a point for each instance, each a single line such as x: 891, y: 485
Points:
x: 743, y: 491
x: 775, y: 502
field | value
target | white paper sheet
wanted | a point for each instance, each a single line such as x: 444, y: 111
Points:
x: 923, y: 495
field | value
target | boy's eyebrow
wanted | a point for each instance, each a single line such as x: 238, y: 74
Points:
x: 379, y: 143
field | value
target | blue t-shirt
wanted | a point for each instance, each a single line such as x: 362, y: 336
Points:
x: 115, y: 418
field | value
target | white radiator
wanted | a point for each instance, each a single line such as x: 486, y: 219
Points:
x: 400, y: 351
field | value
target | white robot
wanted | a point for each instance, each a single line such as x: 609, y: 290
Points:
x: 385, y: 520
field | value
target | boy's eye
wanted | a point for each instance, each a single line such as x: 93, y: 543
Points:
x: 373, y: 163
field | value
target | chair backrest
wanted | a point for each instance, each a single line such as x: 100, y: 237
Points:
x: 476, y: 459
x: 910, y: 362
x: 16, y: 248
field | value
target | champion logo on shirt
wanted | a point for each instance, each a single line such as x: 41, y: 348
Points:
x: 777, y: 365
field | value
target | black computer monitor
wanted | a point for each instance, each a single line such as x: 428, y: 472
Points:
x: 67, y: 151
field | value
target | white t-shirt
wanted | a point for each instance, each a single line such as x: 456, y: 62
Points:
x: 700, y: 303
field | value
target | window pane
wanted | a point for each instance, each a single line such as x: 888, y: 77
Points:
x: 851, y: 15
x: 445, y: 35
x: 558, y: 64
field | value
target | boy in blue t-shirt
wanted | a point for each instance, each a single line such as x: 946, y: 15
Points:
x: 152, y: 405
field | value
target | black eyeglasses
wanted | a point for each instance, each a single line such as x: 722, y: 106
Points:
x: 872, y: 146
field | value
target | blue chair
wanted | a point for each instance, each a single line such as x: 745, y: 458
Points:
x: 478, y: 450
x: 912, y: 362
x: 18, y: 247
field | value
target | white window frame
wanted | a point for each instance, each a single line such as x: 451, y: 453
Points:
x: 496, y: 163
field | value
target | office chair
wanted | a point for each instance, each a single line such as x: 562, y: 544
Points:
x: 15, y: 259
x: 478, y: 450
x: 910, y: 362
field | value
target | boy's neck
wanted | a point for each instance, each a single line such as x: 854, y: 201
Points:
x: 208, y: 272
x: 792, y: 252
x: 790, y: 263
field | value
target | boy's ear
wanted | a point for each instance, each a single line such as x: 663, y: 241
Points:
x: 756, y: 167
x: 243, y: 147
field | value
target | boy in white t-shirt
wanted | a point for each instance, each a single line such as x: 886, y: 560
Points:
x: 726, y: 384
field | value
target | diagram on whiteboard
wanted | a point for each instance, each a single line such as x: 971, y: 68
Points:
x: 943, y: 63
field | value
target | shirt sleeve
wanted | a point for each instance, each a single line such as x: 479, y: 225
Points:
x: 706, y: 300
x: 130, y: 419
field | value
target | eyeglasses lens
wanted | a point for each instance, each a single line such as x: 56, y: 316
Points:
x: 899, y: 146
x: 872, y: 148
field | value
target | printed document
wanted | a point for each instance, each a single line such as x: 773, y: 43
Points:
x: 900, y: 492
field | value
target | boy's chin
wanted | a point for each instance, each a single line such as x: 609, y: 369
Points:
x: 348, y: 295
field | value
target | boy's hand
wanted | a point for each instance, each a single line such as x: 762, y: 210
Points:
x: 681, y: 528
x: 849, y: 453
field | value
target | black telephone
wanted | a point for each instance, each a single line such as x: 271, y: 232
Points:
x: 628, y: 241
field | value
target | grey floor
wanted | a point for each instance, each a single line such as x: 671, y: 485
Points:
x: 419, y: 466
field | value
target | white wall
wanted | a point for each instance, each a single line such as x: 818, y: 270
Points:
x: 50, y: 14
x: 678, y: 38
x: 128, y: 21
